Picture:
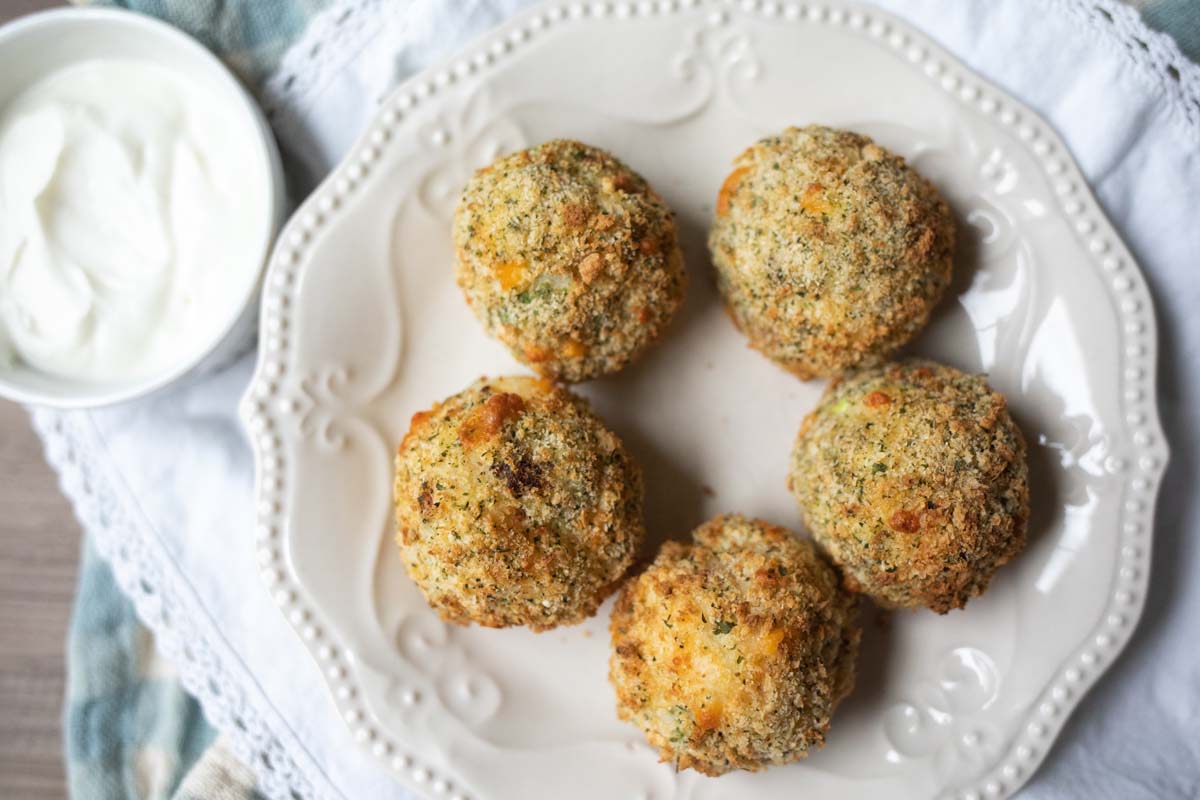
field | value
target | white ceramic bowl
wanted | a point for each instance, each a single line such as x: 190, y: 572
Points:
x: 36, y: 45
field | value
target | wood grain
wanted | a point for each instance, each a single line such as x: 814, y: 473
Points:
x: 39, y: 552
x: 11, y: 9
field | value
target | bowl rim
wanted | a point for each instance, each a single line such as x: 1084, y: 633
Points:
x: 243, y: 106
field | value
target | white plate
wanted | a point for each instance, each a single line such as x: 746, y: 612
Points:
x: 363, y: 325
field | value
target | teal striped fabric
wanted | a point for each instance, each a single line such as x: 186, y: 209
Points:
x: 130, y: 729
x: 250, y: 35
x: 1180, y: 18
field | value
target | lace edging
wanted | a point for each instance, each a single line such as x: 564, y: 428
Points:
x: 1155, y: 56
x: 142, y: 569
x: 337, y: 33
x: 331, y: 38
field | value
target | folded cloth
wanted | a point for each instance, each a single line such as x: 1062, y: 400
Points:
x: 131, y: 730
x: 249, y: 35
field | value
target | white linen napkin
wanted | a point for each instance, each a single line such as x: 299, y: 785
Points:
x: 165, y: 484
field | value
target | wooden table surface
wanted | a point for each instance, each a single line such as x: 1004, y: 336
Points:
x: 39, y: 551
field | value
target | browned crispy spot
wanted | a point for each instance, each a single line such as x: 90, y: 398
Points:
x: 708, y: 718
x: 452, y: 610
x: 425, y: 498
x: 629, y: 650
x: 904, y: 521
x: 876, y: 399
x: 485, y: 421
x: 994, y: 413
x: 536, y: 354
x: 574, y: 215
x: 590, y: 267
x: 807, y: 423
x: 624, y: 182
x: 520, y: 476
x: 925, y: 244
x: 728, y: 188
x: 414, y: 426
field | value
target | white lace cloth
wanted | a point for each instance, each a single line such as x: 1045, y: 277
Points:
x: 164, y: 485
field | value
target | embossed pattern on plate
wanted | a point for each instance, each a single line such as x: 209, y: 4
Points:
x: 363, y: 325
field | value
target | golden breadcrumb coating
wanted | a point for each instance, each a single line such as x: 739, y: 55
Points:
x: 569, y: 258
x: 732, y: 652
x: 912, y: 477
x: 830, y: 252
x: 515, y: 505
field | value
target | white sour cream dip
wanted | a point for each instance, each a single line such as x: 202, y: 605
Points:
x: 132, y: 218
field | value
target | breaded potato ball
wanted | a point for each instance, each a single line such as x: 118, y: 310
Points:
x: 569, y: 258
x: 830, y: 252
x: 912, y: 477
x: 732, y: 652
x: 515, y: 505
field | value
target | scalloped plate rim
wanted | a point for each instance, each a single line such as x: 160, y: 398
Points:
x: 258, y: 416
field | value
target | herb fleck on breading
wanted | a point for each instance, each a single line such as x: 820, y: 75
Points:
x: 733, y: 652
x: 830, y: 252
x: 515, y: 505
x: 569, y: 258
x: 918, y: 499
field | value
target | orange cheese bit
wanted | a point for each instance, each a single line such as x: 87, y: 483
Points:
x: 814, y: 201
x: 485, y: 421
x: 512, y: 274
x: 728, y: 188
